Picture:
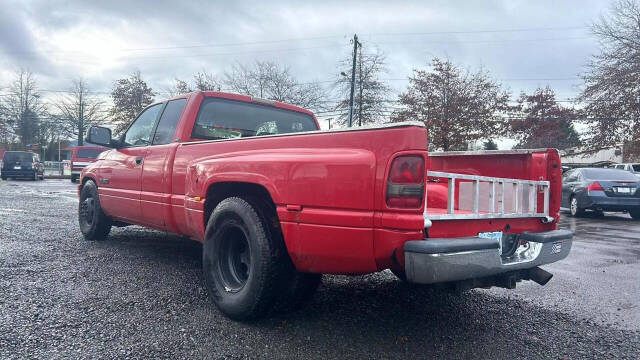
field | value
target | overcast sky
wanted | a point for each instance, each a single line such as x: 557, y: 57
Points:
x: 524, y: 44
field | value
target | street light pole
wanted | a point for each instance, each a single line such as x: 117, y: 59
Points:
x: 360, y: 81
x: 353, y: 77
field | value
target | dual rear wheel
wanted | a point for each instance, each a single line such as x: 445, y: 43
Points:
x: 246, y: 266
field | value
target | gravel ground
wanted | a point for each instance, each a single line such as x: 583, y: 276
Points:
x: 140, y: 294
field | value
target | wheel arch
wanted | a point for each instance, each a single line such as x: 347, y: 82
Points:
x: 218, y: 191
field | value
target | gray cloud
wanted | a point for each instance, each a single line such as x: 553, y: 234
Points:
x: 166, y: 39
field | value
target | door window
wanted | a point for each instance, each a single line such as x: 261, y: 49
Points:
x: 139, y: 134
x: 168, y: 122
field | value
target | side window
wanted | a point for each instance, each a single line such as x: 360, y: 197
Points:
x: 139, y: 134
x: 573, y: 176
x: 567, y: 175
x: 168, y: 122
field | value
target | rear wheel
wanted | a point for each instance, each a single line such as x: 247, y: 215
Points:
x: 244, y: 261
x: 635, y: 214
x: 73, y: 178
x: 94, y: 224
x: 576, y: 211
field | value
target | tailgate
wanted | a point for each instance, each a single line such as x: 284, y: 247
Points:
x: 492, y: 191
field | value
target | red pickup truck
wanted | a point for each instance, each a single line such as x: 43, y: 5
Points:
x: 277, y: 202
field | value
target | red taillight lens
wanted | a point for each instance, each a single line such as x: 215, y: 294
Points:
x: 406, y: 182
x: 594, y: 186
x: 407, y: 170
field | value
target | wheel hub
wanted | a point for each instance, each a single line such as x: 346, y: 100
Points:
x: 87, y: 209
x: 234, y: 259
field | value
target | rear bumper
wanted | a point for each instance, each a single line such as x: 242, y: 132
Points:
x: 610, y: 203
x: 18, y: 173
x: 433, y: 261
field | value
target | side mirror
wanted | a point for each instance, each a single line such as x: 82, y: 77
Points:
x: 101, y: 136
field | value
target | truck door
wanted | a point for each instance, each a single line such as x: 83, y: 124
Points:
x: 121, y: 171
x: 158, y: 163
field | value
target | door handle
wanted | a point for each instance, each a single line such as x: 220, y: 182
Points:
x: 139, y: 160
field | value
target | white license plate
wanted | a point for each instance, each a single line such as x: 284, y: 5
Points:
x: 491, y: 235
x: 624, y: 190
x: 17, y: 168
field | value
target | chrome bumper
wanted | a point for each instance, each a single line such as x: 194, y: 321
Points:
x: 433, y: 261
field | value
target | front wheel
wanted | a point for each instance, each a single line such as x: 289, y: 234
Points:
x: 244, y: 261
x: 575, y: 210
x: 635, y: 214
x: 94, y: 224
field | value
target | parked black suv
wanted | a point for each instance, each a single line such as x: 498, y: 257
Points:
x: 22, y: 164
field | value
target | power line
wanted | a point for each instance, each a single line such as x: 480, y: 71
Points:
x: 480, y: 31
x: 288, y: 40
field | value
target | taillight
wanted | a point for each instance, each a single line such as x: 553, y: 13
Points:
x: 594, y: 186
x: 406, y: 182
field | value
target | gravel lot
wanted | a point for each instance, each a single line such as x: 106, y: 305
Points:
x: 140, y: 294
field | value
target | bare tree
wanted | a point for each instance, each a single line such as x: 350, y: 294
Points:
x: 456, y: 106
x: 179, y: 87
x: 130, y: 96
x: 204, y: 81
x: 78, y: 110
x: 541, y: 122
x: 611, y: 92
x: 371, y: 93
x: 22, y: 109
x: 275, y: 82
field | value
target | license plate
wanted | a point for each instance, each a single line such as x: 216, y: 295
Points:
x: 491, y: 235
x: 17, y: 168
x: 623, y: 190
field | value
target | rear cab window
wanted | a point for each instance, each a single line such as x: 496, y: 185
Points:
x: 88, y: 153
x: 229, y: 119
x: 12, y: 156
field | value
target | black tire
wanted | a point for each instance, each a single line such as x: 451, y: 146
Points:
x: 74, y: 179
x: 94, y: 224
x: 574, y: 209
x: 245, y: 263
x: 635, y: 214
x: 3, y: 177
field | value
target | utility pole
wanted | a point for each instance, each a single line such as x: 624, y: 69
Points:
x: 360, y: 97
x: 81, y: 121
x: 353, y: 77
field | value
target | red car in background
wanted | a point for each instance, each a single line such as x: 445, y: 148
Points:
x: 82, y: 156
